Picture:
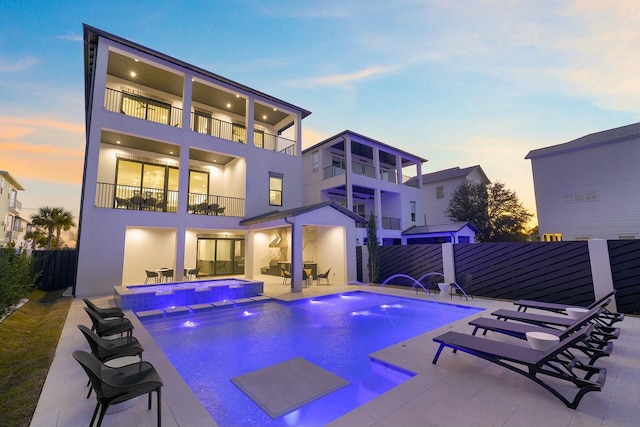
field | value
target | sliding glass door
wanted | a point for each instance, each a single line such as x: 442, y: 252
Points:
x: 220, y: 256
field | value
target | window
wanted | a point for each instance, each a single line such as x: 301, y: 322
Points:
x: 275, y: 189
x: 315, y: 160
x: 440, y: 192
x: 145, y: 108
x: 202, y: 122
x: 413, y: 210
x: 552, y: 237
x: 258, y: 138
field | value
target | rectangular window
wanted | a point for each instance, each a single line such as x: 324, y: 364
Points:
x: 275, y: 189
x: 145, y: 108
x: 258, y: 138
x: 202, y: 122
x: 315, y: 160
x: 413, y: 210
x: 238, y: 133
x: 440, y: 192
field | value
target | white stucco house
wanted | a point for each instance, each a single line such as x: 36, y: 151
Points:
x: 437, y: 188
x: 187, y: 169
x: 365, y: 175
x: 455, y: 232
x: 589, y: 188
x: 14, y: 226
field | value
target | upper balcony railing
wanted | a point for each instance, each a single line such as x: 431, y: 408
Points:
x: 212, y: 204
x: 158, y: 200
x: 362, y: 169
x: 410, y: 181
x: 389, y: 223
x: 235, y: 132
x: 331, y: 171
x: 142, y: 107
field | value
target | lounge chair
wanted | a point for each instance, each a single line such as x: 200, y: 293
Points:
x: 553, y: 321
x: 531, y: 363
x: 107, y: 327
x: 104, y: 312
x: 324, y: 275
x: 117, y: 385
x: 523, y: 305
x: 595, y: 347
x: 285, y: 275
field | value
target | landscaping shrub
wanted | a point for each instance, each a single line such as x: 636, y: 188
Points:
x: 16, y: 277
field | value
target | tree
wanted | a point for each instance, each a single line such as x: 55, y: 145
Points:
x: 53, y: 220
x: 37, y: 237
x: 493, y: 209
x: 372, y: 246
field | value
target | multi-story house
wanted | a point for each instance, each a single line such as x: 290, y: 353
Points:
x: 366, y: 176
x: 589, y: 187
x: 186, y: 169
x: 437, y: 188
x: 14, y: 227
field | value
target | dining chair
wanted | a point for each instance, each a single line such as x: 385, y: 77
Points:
x: 324, y: 275
x: 152, y: 275
x: 285, y: 275
x: 167, y: 275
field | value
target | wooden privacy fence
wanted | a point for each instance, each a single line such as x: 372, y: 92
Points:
x: 553, y: 271
x: 57, y: 268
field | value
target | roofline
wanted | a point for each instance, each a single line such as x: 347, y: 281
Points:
x: 275, y: 215
x: 347, y: 131
x: 575, y: 144
x: 461, y: 174
x: 89, y: 31
x: 11, y: 180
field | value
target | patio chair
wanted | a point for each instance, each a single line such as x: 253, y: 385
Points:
x: 212, y: 209
x: 104, y: 312
x: 324, y: 275
x: 285, y: 275
x: 613, y: 317
x: 533, y: 364
x: 595, y: 346
x: 152, y: 275
x: 122, y: 203
x: 202, y: 208
x: 136, y: 202
x: 167, y: 274
x: 220, y: 210
x: 305, y: 278
x: 105, y: 350
x: 150, y: 204
x: 107, y: 327
x: 117, y: 385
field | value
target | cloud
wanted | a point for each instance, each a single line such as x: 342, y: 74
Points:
x: 344, y: 80
x: 311, y: 137
x: 14, y: 66
x: 71, y: 37
x: 20, y: 125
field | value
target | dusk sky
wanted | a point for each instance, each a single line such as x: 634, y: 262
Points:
x: 459, y: 83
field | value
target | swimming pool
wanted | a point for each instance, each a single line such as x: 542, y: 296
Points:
x: 335, y: 332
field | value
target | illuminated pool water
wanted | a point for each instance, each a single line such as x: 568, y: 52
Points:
x: 336, y: 333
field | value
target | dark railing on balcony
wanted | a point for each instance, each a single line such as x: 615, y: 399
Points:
x: 331, y: 171
x: 364, y: 170
x: 203, y: 204
x: 142, y: 107
x: 389, y: 223
x: 203, y: 123
x: 134, y: 197
x: 387, y: 175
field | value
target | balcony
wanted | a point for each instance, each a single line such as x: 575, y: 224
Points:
x: 389, y: 223
x: 331, y: 171
x: 153, y: 109
x: 135, y: 198
x: 364, y: 170
x: 212, y: 204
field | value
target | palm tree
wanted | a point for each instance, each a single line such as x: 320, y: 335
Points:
x: 44, y: 220
x: 53, y: 220
x: 63, y: 220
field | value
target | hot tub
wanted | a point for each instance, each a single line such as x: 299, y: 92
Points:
x: 148, y: 297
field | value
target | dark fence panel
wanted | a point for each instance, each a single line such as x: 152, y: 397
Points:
x: 359, y: 263
x: 624, y: 256
x: 57, y: 267
x: 552, y: 272
x: 412, y: 260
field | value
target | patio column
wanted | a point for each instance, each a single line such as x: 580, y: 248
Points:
x: 250, y: 108
x: 348, y: 172
x: 296, y: 254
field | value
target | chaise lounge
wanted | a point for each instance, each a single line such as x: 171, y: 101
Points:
x: 533, y: 364
x: 612, y: 317
x: 594, y: 347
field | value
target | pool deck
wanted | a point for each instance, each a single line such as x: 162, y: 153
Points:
x: 461, y: 390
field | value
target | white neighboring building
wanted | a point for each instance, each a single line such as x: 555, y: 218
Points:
x: 457, y: 232
x: 182, y: 168
x: 364, y: 176
x: 589, y: 188
x: 437, y: 188
x: 14, y: 227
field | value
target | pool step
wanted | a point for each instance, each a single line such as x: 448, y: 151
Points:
x: 146, y: 314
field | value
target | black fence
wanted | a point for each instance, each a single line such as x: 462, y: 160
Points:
x: 553, y: 272
x: 57, y: 268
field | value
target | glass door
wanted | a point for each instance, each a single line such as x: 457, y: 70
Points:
x: 220, y: 257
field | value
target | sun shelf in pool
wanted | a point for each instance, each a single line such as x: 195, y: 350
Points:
x: 148, y: 297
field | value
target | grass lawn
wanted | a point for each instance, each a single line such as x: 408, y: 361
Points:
x: 29, y: 337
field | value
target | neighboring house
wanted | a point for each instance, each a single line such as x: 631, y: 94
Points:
x: 14, y: 227
x: 457, y: 232
x: 589, y: 188
x: 364, y: 176
x: 437, y: 188
x: 182, y: 168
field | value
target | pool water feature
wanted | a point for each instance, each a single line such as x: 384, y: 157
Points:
x: 336, y: 332
x: 149, y: 297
